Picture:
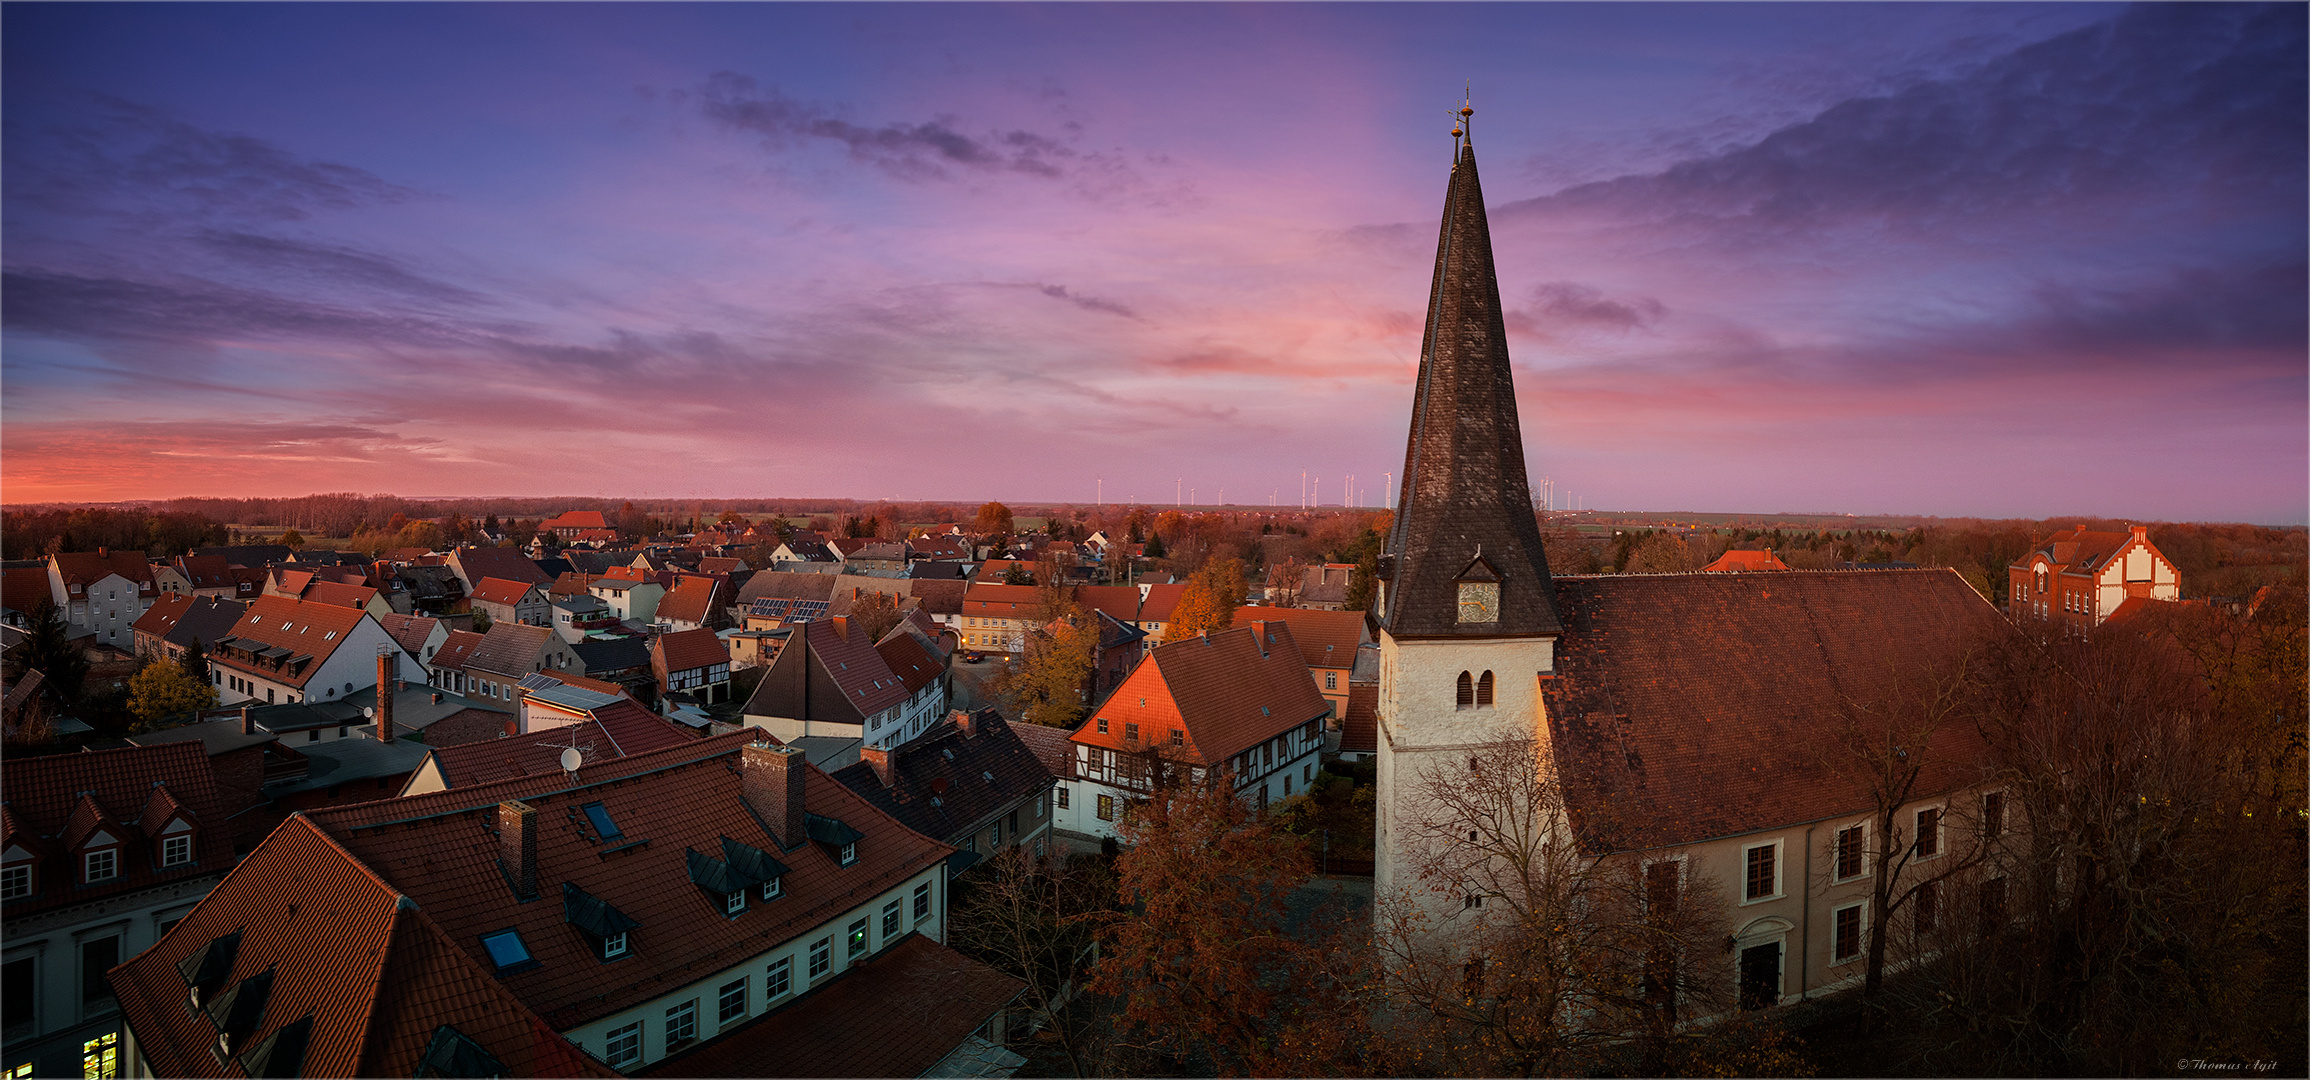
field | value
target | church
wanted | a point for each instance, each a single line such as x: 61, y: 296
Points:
x: 1687, y: 720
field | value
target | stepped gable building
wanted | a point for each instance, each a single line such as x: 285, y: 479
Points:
x: 2079, y: 577
x: 1682, y: 716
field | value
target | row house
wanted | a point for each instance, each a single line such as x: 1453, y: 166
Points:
x: 177, y: 622
x: 1236, y: 703
x: 103, y: 592
x: 830, y: 681
x: 510, y: 652
x: 715, y: 908
x: 693, y: 663
x: 2077, y: 577
x: 285, y: 650
x: 104, y: 851
x: 209, y: 575
x: 968, y: 782
x: 507, y: 601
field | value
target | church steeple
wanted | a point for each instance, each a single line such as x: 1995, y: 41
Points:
x: 1465, y: 558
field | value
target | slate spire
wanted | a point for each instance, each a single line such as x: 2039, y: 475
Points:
x: 1465, y: 511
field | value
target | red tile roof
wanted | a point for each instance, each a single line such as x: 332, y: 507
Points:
x: 24, y: 587
x: 205, y: 571
x: 1000, y: 601
x: 507, y: 563
x: 409, y: 631
x: 303, y: 628
x: 683, y: 650
x: 54, y: 799
x: 692, y: 599
x: 1159, y: 602
x: 912, y: 664
x: 496, y: 590
x: 620, y: 729
x: 87, y: 567
x: 1691, y: 706
x: 338, y: 593
x: 897, y: 1014
x: 455, y: 649
x: 1732, y: 561
x: 946, y: 784
x: 1229, y: 692
x: 1050, y: 745
x: 1328, y: 639
x: 1360, y: 726
x: 576, y: 519
x: 161, y: 617
x: 374, y: 973
x: 438, y: 848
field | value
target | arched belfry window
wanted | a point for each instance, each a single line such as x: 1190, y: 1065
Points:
x: 1484, y: 691
x: 1467, y: 691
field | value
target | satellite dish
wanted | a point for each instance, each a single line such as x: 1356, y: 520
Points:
x: 571, y: 759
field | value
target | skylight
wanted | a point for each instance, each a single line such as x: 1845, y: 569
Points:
x: 600, y: 816
x: 505, y: 949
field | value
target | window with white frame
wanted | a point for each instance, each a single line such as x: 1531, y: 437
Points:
x: 624, y: 1045
x: 16, y: 881
x: 1845, y: 933
x: 821, y: 956
x: 1106, y: 808
x: 734, y: 902
x: 100, y: 865
x: 175, y: 850
x: 1851, y: 847
x: 921, y: 902
x: 855, y: 939
x: 1760, y: 870
x: 681, y: 1023
x: 780, y: 981
x: 733, y: 1000
x: 613, y: 946
x: 773, y: 888
x: 889, y: 921
x: 849, y: 853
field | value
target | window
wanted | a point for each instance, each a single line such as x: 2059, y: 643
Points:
x: 100, y: 866
x: 733, y: 1001
x: 1484, y: 691
x: 1106, y: 808
x: 1178, y: 738
x: 1992, y: 815
x: 1849, y: 845
x: 1130, y: 731
x: 16, y: 881
x: 175, y: 850
x: 1992, y: 903
x: 849, y: 853
x: 889, y: 921
x: 20, y: 1072
x: 1062, y: 796
x: 773, y: 888
x: 1102, y: 725
x: 921, y: 902
x: 780, y: 980
x: 1331, y: 680
x: 734, y: 903
x: 681, y: 1023
x: 506, y: 950
x: 625, y: 1045
x: 820, y: 957
x: 19, y: 993
x: 855, y: 940
x: 100, y: 1057
x: 1928, y: 833
x: 1471, y: 902
x: 310, y: 736
x: 613, y: 946
x: 1761, y: 882
x: 1927, y: 905
x: 97, y: 956
x: 599, y: 816
x: 1467, y: 692
x: 1846, y: 944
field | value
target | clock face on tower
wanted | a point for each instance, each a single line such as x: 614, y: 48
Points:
x: 1479, y: 601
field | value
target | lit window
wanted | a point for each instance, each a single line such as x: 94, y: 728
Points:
x: 821, y: 956
x: 20, y: 1072
x: 625, y: 1045
x: 101, y: 865
x: 175, y: 850
x: 100, y: 1057
x: 1106, y: 808
x: 779, y: 981
x: 856, y: 939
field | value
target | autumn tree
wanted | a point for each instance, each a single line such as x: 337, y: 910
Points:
x: 1050, y: 684
x: 195, y: 662
x: 1208, y: 603
x: 1040, y: 920
x: 163, y: 690
x: 874, y: 613
x: 293, y: 540
x: 1660, y: 553
x: 994, y: 520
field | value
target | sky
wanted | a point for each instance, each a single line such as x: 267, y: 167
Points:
x: 2000, y: 260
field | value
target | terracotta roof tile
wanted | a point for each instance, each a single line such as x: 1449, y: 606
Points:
x: 940, y: 781
x: 53, y: 796
x: 687, y: 649
x: 1328, y: 639
x: 455, y: 650
x: 1732, y: 561
x: 22, y: 588
x: 1228, y: 691
x: 496, y: 590
x: 409, y: 631
x: 912, y: 664
x: 616, y: 730
x: 1161, y: 599
x: 303, y: 628
x: 161, y: 617
x: 576, y: 519
x: 339, y: 594
x: 87, y: 567
x: 692, y: 599
x: 1051, y: 746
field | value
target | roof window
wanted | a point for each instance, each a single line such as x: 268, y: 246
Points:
x: 507, y: 951
x: 599, y: 816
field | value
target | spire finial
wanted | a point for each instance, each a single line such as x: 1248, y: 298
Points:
x: 1463, y: 129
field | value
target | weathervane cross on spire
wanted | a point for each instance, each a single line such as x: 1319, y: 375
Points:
x: 1462, y: 127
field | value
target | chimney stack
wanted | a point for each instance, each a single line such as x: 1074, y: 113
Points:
x: 878, y: 758
x: 517, y: 846
x: 965, y: 721
x: 771, y: 777
x: 248, y: 722
x: 384, y: 696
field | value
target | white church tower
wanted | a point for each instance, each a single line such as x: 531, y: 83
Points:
x: 1467, y: 611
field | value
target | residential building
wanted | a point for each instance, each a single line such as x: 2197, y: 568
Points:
x: 1237, y: 702
x: 621, y: 660
x: 605, y: 731
x: 692, y: 602
x: 1330, y: 639
x: 685, y: 911
x: 579, y: 616
x: 1743, y: 561
x: 2077, y: 577
x: 471, y: 564
x: 830, y: 681
x: 170, y: 628
x: 996, y: 618
x: 507, y: 601
x: 968, y: 782
x: 511, y: 652
x: 419, y: 636
x: 691, y: 662
x: 103, y: 592
x: 572, y: 524
x: 633, y: 601
x: 104, y: 851
x: 285, y: 650
x: 447, y: 670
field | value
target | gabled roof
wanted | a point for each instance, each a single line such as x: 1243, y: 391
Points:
x: 86, y: 568
x: 250, y: 555
x: 22, y: 588
x: 508, y: 563
x: 945, y: 783
x: 827, y: 673
x: 409, y: 631
x: 1228, y: 691
x: 612, y: 654
x: 162, y: 616
x: 509, y: 649
x: 438, y: 849
x: 1160, y: 601
x: 576, y: 519
x: 692, y: 599
x: 455, y: 650
x: 683, y: 650
x: 2084, y: 550
x: 1000, y: 601
x: 44, y: 793
x: 204, y: 571
x: 1733, y: 561
x: 615, y: 730
x: 496, y: 590
x: 1465, y: 495
x: 339, y: 594
x: 1327, y: 638
x: 370, y: 974
x: 1119, y: 602
x: 787, y: 584
x: 1050, y: 745
x: 299, y: 628
x: 1691, y: 706
x: 914, y: 665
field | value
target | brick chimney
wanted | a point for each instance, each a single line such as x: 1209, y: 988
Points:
x: 965, y: 721
x: 879, y: 759
x: 517, y: 846
x: 1259, y: 636
x: 771, y: 777
x: 2142, y: 533
x: 248, y: 722
x: 384, y: 697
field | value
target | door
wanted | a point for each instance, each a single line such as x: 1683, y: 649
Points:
x: 1761, y: 975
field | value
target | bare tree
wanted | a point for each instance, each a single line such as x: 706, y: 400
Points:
x: 1040, y: 919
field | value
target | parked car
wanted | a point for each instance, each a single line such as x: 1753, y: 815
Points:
x: 973, y: 656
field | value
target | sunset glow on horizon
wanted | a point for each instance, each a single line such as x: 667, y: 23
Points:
x: 2008, y: 260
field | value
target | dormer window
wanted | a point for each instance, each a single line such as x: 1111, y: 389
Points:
x: 175, y: 850
x: 100, y: 866
x: 773, y: 888
x: 15, y: 881
x: 613, y: 946
x: 849, y: 853
x: 734, y: 903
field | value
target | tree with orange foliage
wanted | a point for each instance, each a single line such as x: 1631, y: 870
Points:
x: 1208, y: 605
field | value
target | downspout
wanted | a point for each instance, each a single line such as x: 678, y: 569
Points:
x: 1805, y: 931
